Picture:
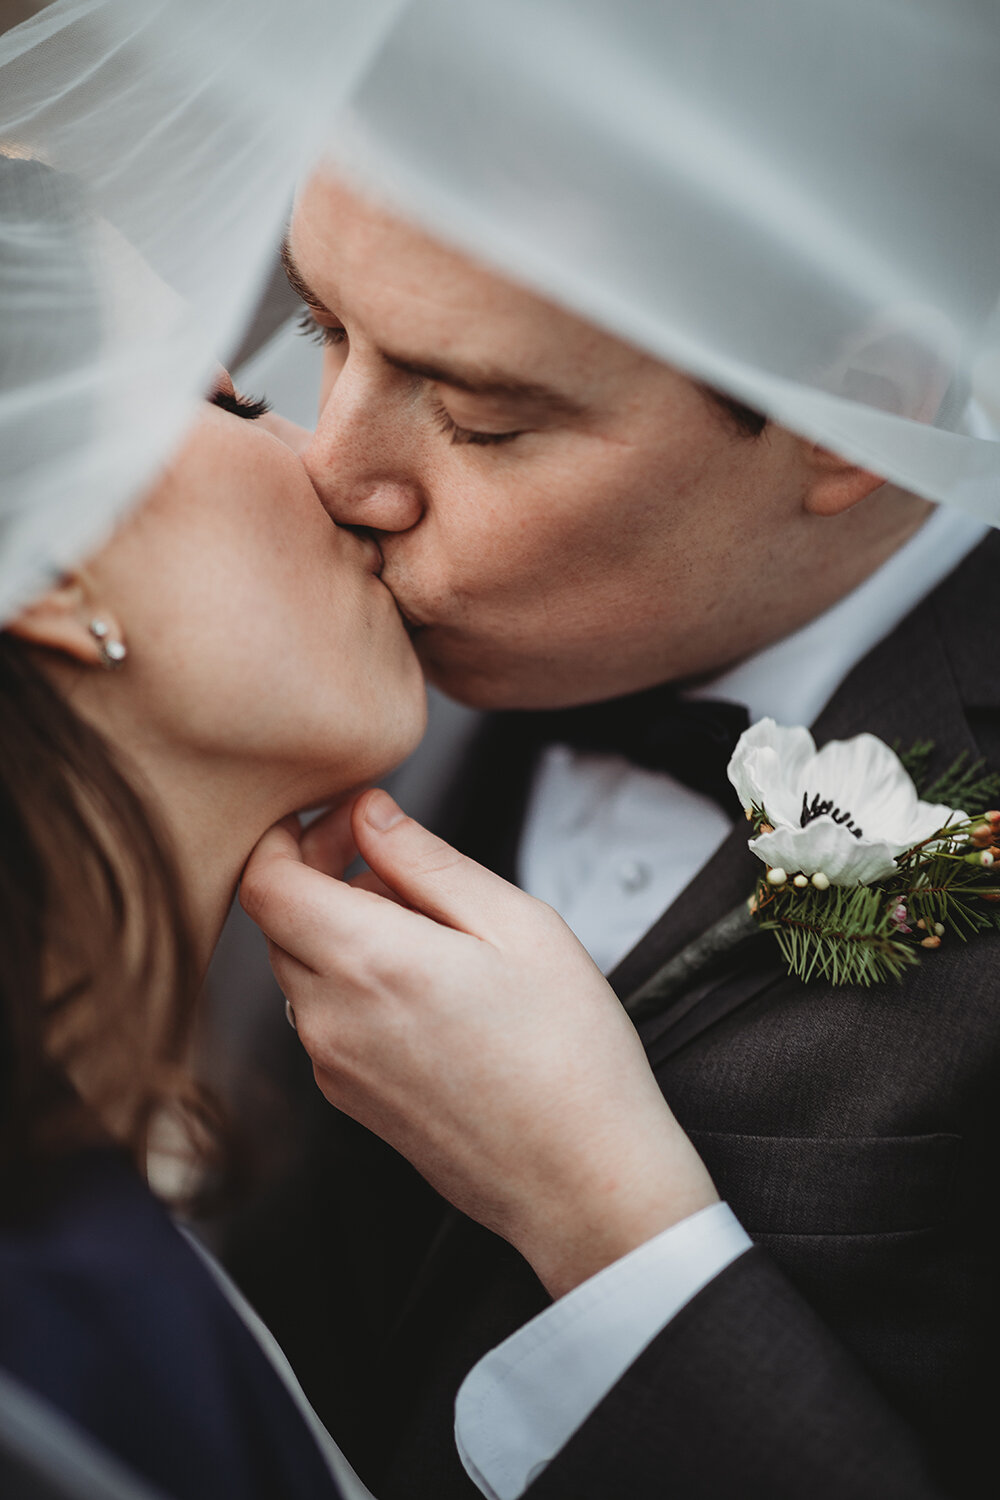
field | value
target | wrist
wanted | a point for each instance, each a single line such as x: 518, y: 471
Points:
x: 573, y: 1234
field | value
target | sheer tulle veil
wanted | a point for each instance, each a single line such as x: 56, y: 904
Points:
x: 797, y: 203
x: 149, y: 150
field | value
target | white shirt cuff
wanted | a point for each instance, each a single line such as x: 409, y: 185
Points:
x: 524, y: 1400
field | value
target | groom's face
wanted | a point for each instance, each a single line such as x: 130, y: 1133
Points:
x: 562, y: 517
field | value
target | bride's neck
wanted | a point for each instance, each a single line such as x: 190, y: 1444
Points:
x: 210, y: 810
x: 212, y: 818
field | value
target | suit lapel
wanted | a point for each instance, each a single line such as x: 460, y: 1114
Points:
x: 906, y: 689
x: 720, y: 884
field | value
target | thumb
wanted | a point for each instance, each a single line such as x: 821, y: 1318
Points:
x: 328, y: 843
x: 290, y: 902
x: 428, y: 874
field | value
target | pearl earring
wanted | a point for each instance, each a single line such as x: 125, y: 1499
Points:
x: 112, y: 652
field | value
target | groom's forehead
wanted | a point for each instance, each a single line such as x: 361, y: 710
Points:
x: 477, y: 377
x: 436, y: 307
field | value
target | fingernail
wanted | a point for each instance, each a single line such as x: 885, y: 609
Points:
x: 381, y: 812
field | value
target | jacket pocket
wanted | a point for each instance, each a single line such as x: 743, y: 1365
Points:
x: 832, y: 1185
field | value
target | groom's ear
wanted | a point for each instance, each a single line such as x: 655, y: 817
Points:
x: 834, y: 484
x: 62, y: 618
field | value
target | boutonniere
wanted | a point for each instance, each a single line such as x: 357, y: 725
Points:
x: 861, y: 875
x: 866, y: 866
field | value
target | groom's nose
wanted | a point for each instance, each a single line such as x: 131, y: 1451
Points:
x: 356, y: 461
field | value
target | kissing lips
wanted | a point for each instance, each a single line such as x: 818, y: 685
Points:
x: 412, y: 627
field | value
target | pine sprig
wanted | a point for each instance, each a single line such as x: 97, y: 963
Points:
x: 845, y: 935
x: 949, y: 886
x: 864, y: 935
x: 965, y: 784
x: 915, y: 762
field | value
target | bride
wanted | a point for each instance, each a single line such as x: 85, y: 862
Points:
x: 228, y: 656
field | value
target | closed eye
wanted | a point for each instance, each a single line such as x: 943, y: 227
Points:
x: 240, y: 406
x: 446, y: 423
x: 335, y: 335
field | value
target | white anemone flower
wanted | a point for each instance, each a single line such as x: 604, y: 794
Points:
x: 845, y: 811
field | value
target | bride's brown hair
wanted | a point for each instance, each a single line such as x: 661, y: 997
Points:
x: 98, y: 980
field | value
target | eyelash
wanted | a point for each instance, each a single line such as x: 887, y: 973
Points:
x: 446, y: 423
x: 319, y: 333
x: 335, y: 335
x: 240, y: 406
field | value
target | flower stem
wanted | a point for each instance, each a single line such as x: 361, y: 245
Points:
x: 679, y: 972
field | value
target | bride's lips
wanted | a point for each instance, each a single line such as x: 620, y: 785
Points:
x: 369, y: 554
x: 373, y: 551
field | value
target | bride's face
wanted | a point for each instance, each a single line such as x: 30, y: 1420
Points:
x: 258, y: 632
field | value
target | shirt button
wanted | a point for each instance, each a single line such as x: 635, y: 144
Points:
x: 634, y: 875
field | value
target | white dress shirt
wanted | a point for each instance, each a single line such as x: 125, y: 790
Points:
x: 611, y: 846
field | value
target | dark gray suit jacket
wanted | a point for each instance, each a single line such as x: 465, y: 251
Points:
x: 853, y: 1352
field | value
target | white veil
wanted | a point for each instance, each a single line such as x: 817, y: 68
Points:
x: 797, y: 203
x: 149, y: 150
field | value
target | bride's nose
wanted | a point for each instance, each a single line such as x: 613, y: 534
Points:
x: 290, y: 433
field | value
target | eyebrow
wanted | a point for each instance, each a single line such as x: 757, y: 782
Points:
x: 476, y: 381
x: 488, y: 383
x: 297, y: 281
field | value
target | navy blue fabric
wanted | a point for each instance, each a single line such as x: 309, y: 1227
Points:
x: 108, y: 1313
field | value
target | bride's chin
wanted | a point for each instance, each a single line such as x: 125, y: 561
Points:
x: 401, y: 741
x: 396, y: 739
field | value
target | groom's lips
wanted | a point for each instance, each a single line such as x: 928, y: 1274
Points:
x: 413, y: 627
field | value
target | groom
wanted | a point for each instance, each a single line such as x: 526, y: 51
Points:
x: 565, y: 520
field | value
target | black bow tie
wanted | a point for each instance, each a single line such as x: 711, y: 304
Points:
x: 691, y: 739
